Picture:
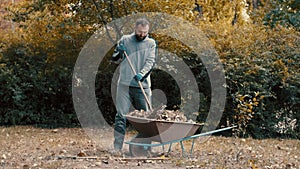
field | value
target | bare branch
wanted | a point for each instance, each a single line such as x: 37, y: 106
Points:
x: 103, y: 22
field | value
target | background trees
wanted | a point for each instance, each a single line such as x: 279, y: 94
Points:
x: 257, y: 41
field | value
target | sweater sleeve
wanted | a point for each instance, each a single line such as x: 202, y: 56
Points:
x: 150, y: 60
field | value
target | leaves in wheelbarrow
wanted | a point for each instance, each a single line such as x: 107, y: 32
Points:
x: 162, y: 114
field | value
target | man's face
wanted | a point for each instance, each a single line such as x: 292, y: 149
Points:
x: 141, y: 32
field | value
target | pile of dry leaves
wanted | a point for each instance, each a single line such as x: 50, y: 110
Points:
x: 162, y: 114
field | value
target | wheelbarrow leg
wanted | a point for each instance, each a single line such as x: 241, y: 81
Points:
x: 192, y: 148
x: 182, y: 149
x: 169, y: 149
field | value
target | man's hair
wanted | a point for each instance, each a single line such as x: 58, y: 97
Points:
x: 142, y: 21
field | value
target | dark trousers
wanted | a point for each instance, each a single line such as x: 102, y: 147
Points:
x: 125, y: 97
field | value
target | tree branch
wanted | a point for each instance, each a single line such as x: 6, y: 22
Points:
x: 103, y: 22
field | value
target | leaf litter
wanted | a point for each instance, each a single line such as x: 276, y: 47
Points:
x: 30, y: 147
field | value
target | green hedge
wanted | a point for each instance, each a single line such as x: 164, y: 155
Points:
x: 33, y: 91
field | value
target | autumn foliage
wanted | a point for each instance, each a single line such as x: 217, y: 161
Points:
x: 258, y: 48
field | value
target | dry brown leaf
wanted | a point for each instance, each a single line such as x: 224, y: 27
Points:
x: 81, y: 154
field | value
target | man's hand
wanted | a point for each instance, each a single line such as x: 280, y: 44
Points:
x: 121, y: 49
x: 119, y: 54
x: 138, y: 77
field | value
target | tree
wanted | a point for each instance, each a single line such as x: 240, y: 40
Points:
x: 260, y: 64
x: 286, y: 13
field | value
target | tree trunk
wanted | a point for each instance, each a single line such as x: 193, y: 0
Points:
x: 255, y: 4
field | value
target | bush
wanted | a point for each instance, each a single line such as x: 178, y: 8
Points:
x: 34, y: 91
x: 261, y: 68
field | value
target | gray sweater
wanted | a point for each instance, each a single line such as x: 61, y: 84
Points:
x: 142, y: 56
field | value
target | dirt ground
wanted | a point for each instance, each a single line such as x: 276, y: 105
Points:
x: 29, y: 147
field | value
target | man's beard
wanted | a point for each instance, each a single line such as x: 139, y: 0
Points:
x: 140, y: 38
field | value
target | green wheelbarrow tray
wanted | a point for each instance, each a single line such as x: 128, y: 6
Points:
x: 161, y: 130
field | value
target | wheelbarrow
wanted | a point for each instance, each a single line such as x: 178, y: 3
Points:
x: 163, y: 133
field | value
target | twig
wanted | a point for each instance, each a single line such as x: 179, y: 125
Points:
x: 86, y: 157
x: 106, y: 158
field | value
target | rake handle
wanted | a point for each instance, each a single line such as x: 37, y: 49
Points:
x: 140, y: 84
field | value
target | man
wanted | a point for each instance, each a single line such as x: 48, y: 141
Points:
x: 141, y: 51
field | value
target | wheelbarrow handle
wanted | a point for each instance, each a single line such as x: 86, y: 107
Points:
x: 140, y: 84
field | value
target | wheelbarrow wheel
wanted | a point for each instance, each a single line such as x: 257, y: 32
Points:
x: 138, y: 151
